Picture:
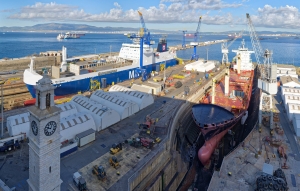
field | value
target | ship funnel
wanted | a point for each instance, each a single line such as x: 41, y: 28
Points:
x: 227, y: 82
x: 64, y: 65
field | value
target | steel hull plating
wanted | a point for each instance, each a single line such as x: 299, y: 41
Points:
x: 82, y: 85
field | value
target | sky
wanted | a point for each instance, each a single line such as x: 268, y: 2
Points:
x: 172, y: 15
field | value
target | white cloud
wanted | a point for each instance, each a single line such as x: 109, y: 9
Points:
x: 177, y: 11
x: 272, y: 17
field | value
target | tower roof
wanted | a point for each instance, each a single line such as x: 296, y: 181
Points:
x: 45, y: 84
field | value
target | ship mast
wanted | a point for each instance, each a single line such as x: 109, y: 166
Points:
x: 213, y: 91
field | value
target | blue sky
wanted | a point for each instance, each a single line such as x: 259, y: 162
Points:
x: 217, y: 15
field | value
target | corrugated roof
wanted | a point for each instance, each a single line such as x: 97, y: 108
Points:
x: 287, y: 79
x: 74, y: 120
x: 93, y: 106
x: 18, y: 119
x: 111, y: 98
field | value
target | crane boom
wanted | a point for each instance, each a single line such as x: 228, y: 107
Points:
x: 254, y: 40
x: 197, y: 30
x: 143, y: 22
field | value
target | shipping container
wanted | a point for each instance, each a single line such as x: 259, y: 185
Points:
x: 85, y: 137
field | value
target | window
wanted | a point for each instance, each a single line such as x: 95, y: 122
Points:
x: 48, y: 100
x: 38, y: 99
x: 50, y: 169
x: 34, y: 169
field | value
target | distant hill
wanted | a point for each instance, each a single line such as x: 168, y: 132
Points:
x: 63, y: 27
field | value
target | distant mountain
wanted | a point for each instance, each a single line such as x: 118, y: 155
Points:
x: 63, y: 27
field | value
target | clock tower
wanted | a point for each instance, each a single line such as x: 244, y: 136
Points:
x: 44, y: 140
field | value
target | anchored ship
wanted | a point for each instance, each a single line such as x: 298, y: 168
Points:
x: 81, y: 76
x: 235, y: 35
x: 226, y: 104
x: 69, y: 35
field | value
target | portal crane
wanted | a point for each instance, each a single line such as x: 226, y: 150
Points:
x: 196, y: 43
x: 183, y: 39
x: 225, y: 47
x: 268, y: 71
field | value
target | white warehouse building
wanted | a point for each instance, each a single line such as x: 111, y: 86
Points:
x: 290, y: 98
x: 102, y: 115
x: 125, y: 107
x: 296, y: 124
x: 292, y: 109
x: 67, y: 109
x: 75, y: 124
x: 291, y: 91
x: 141, y: 98
x: 18, y: 124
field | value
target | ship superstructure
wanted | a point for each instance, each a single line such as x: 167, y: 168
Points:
x: 80, y: 75
x: 226, y: 104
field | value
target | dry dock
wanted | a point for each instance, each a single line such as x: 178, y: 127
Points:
x: 241, y: 168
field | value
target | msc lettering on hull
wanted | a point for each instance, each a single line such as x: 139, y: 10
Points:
x: 131, y: 74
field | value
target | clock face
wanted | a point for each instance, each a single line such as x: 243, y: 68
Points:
x: 50, y: 128
x: 34, y: 128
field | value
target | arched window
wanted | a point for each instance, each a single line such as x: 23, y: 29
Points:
x: 48, y: 100
x: 38, y: 99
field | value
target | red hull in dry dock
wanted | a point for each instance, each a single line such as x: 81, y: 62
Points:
x: 226, y: 104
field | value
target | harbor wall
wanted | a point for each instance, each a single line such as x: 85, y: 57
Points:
x: 23, y: 63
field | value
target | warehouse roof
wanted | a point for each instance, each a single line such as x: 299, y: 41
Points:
x: 90, y: 105
x: 143, y: 99
x: 67, y: 109
x: 73, y: 120
x: 112, y: 98
x: 18, y: 119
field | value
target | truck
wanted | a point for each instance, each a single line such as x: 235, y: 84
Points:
x: 10, y: 145
x: 85, y: 137
x: 99, y: 172
x: 79, y: 181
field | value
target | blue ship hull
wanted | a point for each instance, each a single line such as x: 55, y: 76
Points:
x: 83, y: 85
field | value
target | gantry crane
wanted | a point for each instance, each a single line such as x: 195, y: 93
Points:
x: 225, y: 47
x: 196, y: 43
x: 268, y: 71
x: 183, y: 39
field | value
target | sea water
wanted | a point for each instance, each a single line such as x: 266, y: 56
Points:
x: 20, y: 44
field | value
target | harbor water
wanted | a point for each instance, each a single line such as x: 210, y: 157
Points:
x: 21, y: 44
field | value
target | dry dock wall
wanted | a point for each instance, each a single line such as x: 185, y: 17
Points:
x: 23, y: 63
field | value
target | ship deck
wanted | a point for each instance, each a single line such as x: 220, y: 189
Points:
x: 239, y: 91
x: 214, y: 114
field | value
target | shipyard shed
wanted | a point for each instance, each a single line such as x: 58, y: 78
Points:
x: 18, y: 124
x: 288, y: 81
x: 296, y: 124
x: 292, y: 109
x: 200, y: 66
x: 141, y: 98
x: 141, y: 88
x: 286, y: 70
x: 67, y: 109
x: 75, y: 124
x: 103, y: 116
x: 124, y: 107
x: 291, y: 91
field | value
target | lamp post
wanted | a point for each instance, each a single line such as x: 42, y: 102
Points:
x: 1, y: 84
